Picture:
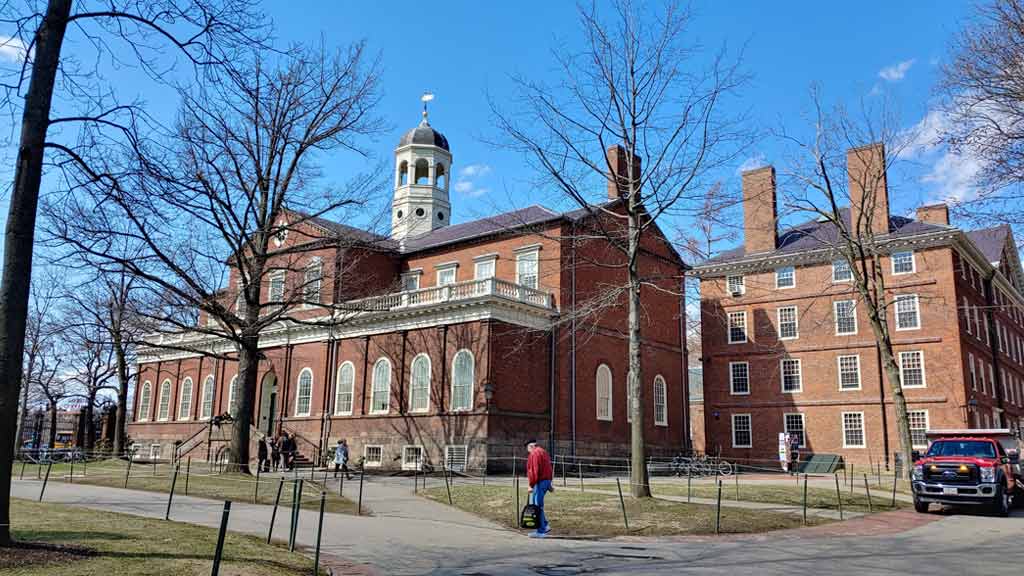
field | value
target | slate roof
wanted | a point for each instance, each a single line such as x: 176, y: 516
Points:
x: 990, y: 241
x: 424, y: 134
x: 814, y: 235
x: 531, y: 215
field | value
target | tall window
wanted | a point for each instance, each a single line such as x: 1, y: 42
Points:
x: 902, y: 262
x: 845, y: 313
x: 787, y: 319
x: 737, y: 327
x: 841, y: 271
x: 207, y: 407
x: 785, y: 277
x: 604, y: 392
x: 144, y: 400
x: 849, y: 372
x: 240, y: 300
x: 312, y: 282
x: 185, y: 399
x: 967, y: 314
x: 380, y: 397
x: 660, y: 401
x: 411, y: 281
x: 907, y: 314
x: 343, y: 392
x: 446, y: 275
x: 912, y: 369
x: 794, y: 424
x: 164, y: 408
x: 735, y: 285
x: 741, y: 431
x: 276, y: 292
x: 484, y: 269
x: 526, y: 268
x: 462, y: 380
x: 853, y: 429
x: 419, y: 390
x: 304, y: 392
x: 739, y: 378
x: 233, y: 395
x: 792, y: 380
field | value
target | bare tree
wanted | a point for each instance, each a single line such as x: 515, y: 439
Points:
x: 234, y: 184
x: 982, y: 94
x: 40, y: 333
x: 636, y: 84
x: 202, y: 32
x: 91, y: 360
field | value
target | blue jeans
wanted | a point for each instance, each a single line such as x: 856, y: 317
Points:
x: 537, y: 499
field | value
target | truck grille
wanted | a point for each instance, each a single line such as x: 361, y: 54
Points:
x: 951, y: 474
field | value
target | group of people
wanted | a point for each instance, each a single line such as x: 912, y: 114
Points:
x: 277, y: 453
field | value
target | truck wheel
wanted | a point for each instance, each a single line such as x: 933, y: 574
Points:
x: 1001, y: 505
x: 920, y: 507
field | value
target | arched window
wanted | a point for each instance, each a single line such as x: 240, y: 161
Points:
x: 343, y: 393
x: 207, y: 398
x: 304, y: 392
x: 185, y: 400
x: 403, y: 173
x: 233, y: 395
x: 144, y: 399
x: 164, y: 408
x: 604, y: 392
x: 462, y: 380
x: 660, y: 401
x: 440, y: 176
x: 380, y: 398
x: 419, y: 389
x: 422, y: 175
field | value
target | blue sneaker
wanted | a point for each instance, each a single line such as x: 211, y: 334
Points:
x: 537, y: 534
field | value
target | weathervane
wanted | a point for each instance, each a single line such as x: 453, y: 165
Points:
x: 427, y: 97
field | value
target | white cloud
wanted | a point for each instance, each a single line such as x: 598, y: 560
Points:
x: 12, y: 49
x: 756, y: 161
x: 475, y: 170
x: 952, y: 176
x: 896, y: 72
x: 468, y: 182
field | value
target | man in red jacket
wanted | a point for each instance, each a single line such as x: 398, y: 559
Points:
x: 539, y: 474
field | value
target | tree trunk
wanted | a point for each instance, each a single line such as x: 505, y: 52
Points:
x: 248, y: 366
x: 22, y: 416
x: 51, y: 441
x: 638, y: 479
x: 121, y: 414
x: 88, y: 430
x: 20, y: 236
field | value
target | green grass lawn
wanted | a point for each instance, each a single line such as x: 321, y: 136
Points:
x: 122, y: 544
x: 573, y: 513
x: 202, y: 483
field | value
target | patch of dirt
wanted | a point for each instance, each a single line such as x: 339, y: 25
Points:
x: 27, y: 554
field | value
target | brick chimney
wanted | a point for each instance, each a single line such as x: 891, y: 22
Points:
x: 759, y: 214
x: 934, y: 214
x: 869, y: 192
x: 618, y: 186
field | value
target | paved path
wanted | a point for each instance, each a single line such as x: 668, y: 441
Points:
x: 412, y: 536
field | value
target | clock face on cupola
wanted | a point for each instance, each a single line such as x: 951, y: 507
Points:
x: 423, y: 166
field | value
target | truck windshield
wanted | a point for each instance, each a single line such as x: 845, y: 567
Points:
x: 971, y: 448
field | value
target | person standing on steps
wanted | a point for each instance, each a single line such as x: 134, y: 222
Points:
x: 261, y: 451
x: 275, y: 454
x: 539, y: 474
x: 341, y: 459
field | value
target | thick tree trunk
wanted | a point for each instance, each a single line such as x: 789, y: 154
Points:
x: 248, y: 366
x: 51, y: 441
x: 20, y: 236
x: 638, y: 479
x: 121, y: 415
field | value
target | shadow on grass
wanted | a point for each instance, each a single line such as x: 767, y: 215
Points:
x: 29, y: 536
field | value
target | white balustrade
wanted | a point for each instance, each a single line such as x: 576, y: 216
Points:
x: 453, y: 292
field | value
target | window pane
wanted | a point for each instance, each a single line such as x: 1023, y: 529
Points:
x: 208, y: 397
x: 791, y: 378
x: 304, y: 393
x: 484, y: 269
x: 737, y: 326
x: 526, y: 269
x: 918, y: 427
x: 849, y: 372
x: 785, y: 277
x: 343, y: 395
x: 912, y: 369
x: 741, y: 433
x: 846, y: 317
x: 311, y: 286
x: 144, y: 400
x: 906, y: 312
x: 185, y: 400
x: 739, y: 378
x: 420, y: 389
x: 276, y: 293
x: 381, y: 395
x: 787, y: 322
x: 902, y: 262
x: 462, y: 381
x: 841, y: 271
x: 165, y: 400
x: 734, y: 284
x: 853, y: 429
x: 446, y: 276
x: 604, y: 393
x: 794, y: 424
x: 660, y: 401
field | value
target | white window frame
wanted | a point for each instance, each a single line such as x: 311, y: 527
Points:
x: 483, y: 261
x: 913, y: 262
x: 728, y: 327
x: 778, y: 271
x: 163, y: 410
x: 185, y: 410
x: 145, y: 401
x: 750, y: 430
x: 660, y: 389
x: 373, y: 463
x: 278, y: 280
x: 298, y: 393
x: 910, y: 421
x: 232, y: 393
x: 849, y: 269
x: 967, y: 314
x: 471, y: 384
x: 609, y: 405
x: 413, y: 275
x: 917, y: 310
x: 412, y: 384
x: 207, y: 395
x: 311, y: 298
x: 796, y: 322
x: 448, y: 457
x: 799, y: 374
x: 839, y: 372
x: 803, y: 426
x: 523, y: 256
x: 339, y: 391
x: 732, y: 383
x: 863, y: 430
x: 154, y: 451
x: 444, y: 269
x: 971, y: 370
x: 417, y: 464
x: 924, y: 380
x: 835, y: 317
x: 739, y: 281
x: 386, y: 389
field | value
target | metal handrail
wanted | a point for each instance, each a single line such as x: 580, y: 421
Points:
x: 314, y: 447
x: 178, y: 454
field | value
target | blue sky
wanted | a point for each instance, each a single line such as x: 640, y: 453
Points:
x: 461, y: 51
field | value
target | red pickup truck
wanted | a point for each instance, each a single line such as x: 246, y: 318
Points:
x: 969, y: 467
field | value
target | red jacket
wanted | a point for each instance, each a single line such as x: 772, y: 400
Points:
x: 538, y: 466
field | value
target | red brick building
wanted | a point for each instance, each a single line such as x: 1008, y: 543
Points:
x: 787, y: 348
x: 456, y: 342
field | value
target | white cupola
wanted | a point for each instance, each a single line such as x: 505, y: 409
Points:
x: 423, y: 167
